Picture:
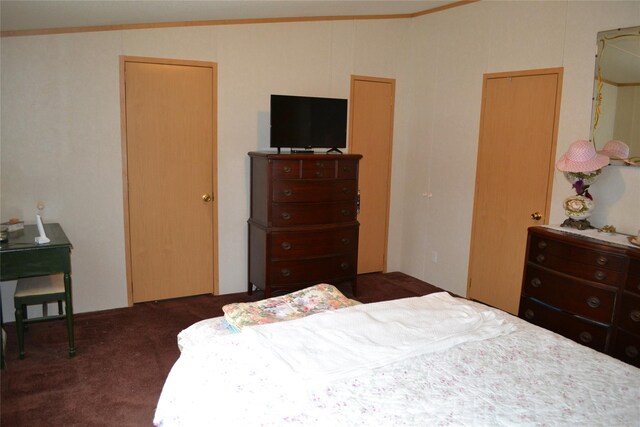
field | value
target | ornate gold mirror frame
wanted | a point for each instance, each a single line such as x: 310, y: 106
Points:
x: 616, y: 108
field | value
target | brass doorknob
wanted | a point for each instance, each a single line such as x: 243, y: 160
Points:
x: 206, y: 197
x: 536, y: 216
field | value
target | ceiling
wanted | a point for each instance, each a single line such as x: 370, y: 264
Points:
x: 23, y: 15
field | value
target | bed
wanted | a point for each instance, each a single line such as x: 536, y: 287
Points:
x: 431, y: 360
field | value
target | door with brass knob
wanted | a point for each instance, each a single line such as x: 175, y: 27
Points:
x: 171, y: 223
x: 513, y: 179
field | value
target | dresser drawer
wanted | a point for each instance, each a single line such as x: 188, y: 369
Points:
x: 288, y: 191
x: 347, y: 169
x: 572, y: 295
x: 627, y: 348
x: 572, y: 261
x: 308, y: 244
x: 286, y: 169
x: 633, y: 278
x: 316, y: 270
x: 629, y: 318
x: 633, y: 284
x: 582, y: 331
x: 293, y: 214
x: 553, y: 249
x: 318, y: 168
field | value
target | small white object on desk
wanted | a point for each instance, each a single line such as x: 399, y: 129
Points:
x: 42, y: 238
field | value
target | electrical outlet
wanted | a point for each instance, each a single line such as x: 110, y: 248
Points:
x: 40, y: 205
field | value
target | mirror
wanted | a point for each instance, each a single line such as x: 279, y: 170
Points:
x: 616, y: 97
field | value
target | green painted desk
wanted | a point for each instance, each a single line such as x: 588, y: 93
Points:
x: 22, y: 257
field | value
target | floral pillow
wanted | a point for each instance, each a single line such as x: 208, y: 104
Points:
x: 315, y: 299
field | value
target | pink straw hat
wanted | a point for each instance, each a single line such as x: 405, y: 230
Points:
x: 615, y: 149
x: 581, y: 157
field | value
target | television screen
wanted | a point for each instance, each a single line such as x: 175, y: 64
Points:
x: 307, y: 122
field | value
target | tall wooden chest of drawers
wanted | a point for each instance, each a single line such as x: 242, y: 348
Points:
x: 303, y: 228
x: 585, y: 289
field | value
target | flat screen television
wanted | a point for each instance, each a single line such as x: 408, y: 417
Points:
x: 303, y: 122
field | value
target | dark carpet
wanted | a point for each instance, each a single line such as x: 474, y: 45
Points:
x: 123, y: 357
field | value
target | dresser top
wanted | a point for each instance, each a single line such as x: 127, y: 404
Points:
x: 616, y: 241
x: 298, y: 156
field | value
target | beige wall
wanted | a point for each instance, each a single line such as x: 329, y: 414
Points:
x: 60, y: 126
x: 450, y: 52
x: 60, y: 122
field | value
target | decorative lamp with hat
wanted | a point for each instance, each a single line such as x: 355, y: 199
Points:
x: 582, y: 166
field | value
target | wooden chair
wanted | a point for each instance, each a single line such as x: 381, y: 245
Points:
x: 39, y: 290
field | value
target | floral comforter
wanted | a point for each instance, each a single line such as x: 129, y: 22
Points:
x: 308, y: 301
x: 528, y: 376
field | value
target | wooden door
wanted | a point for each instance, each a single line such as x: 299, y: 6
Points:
x: 371, y: 134
x: 169, y: 152
x: 519, y: 124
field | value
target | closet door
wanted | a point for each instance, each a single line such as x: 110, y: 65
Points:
x: 518, y: 129
x: 170, y: 177
x: 371, y: 134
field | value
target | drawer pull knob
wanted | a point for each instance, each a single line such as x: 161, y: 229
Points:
x: 318, y: 173
x: 286, y: 215
x: 318, y: 164
x: 602, y: 260
x: 529, y: 314
x: 287, y: 192
x: 345, y: 241
x: 286, y: 246
x: 285, y: 272
x: 344, y: 265
x: 600, y: 275
x: 542, y: 244
x: 346, y: 190
x: 345, y: 212
x: 535, y: 282
x: 585, y: 337
x: 631, y: 351
x: 540, y: 258
x: 593, y: 302
x: 635, y: 315
x: 346, y: 169
x: 287, y: 169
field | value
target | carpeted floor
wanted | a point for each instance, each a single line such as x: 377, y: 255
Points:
x: 123, y: 357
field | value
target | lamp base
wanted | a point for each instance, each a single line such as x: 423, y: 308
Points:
x: 580, y: 224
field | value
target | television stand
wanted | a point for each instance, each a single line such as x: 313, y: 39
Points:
x: 334, y: 150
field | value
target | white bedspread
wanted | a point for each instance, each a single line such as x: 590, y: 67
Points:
x: 527, y: 377
x: 337, y: 344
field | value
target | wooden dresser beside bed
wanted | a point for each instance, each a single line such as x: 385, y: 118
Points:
x: 585, y: 289
x: 303, y: 228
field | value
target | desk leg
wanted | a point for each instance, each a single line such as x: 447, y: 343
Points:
x: 20, y: 328
x: 69, y: 312
x: 1, y: 335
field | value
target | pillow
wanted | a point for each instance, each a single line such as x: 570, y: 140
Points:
x: 315, y: 299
